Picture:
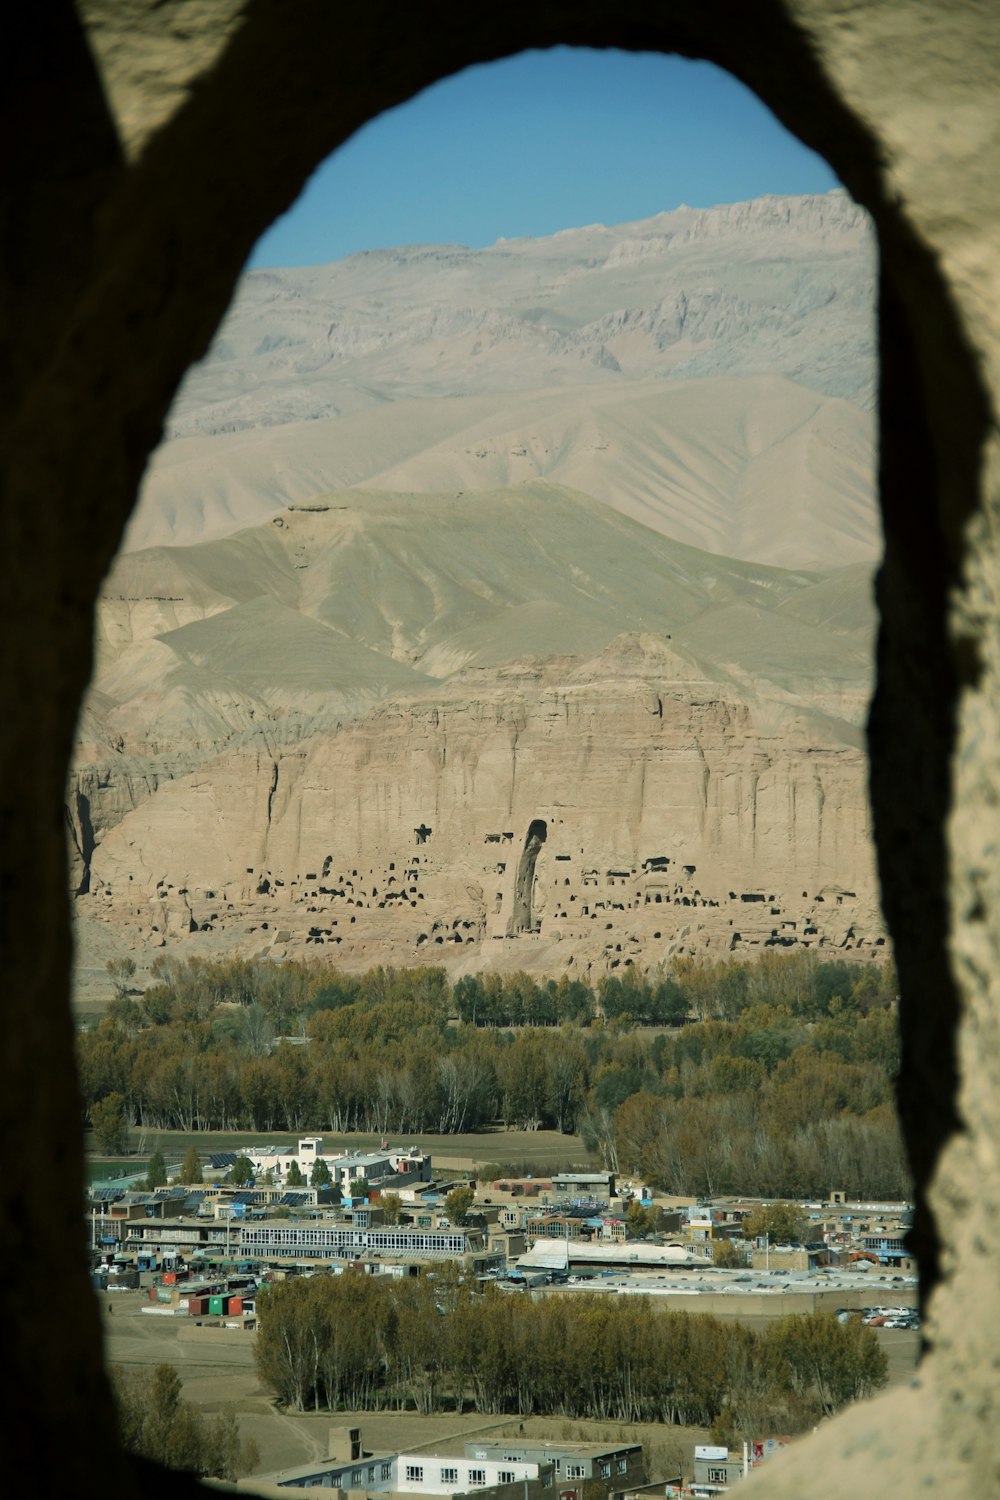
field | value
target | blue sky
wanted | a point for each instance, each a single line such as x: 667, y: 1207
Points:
x: 540, y: 142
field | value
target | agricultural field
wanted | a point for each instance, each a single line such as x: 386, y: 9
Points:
x: 546, y: 1150
x: 217, y: 1371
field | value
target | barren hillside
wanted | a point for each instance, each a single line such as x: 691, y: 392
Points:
x: 509, y: 606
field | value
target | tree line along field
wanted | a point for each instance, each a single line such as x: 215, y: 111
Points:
x: 367, y: 1343
x: 777, y: 1080
x: 155, y: 1421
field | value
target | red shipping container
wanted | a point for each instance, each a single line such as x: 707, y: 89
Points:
x: 198, y: 1306
x: 235, y: 1305
x: 170, y: 1278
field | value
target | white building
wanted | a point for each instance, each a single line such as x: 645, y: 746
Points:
x: 407, y: 1474
x: 345, y: 1167
x: 503, y: 1471
x: 288, y: 1240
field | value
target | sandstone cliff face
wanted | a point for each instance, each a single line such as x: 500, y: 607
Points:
x: 669, y: 820
x: 399, y: 727
x: 512, y: 702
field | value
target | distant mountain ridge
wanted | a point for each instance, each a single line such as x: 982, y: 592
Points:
x: 607, y: 359
x: 782, y: 285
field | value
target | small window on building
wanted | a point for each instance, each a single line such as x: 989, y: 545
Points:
x: 477, y: 1476
x: 506, y: 1476
x: 415, y: 1473
x: 575, y: 1471
x: 716, y: 1476
x: 621, y: 1464
x: 357, y: 1479
x: 606, y: 1468
x: 386, y: 1472
x: 449, y: 1476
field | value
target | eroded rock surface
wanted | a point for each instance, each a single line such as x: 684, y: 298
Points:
x: 306, y: 763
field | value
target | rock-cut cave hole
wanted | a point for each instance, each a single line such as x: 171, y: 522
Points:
x: 521, y: 918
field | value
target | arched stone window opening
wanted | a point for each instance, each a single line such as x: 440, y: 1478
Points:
x: 97, y: 347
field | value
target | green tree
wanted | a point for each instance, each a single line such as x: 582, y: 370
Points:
x: 458, y: 1203
x: 566, y: 1081
x: 156, y: 1172
x: 122, y: 971
x: 240, y: 1173
x: 391, y: 1205
x: 837, y: 1362
x: 110, y: 1121
x: 157, y: 1005
x: 226, y: 1455
x: 642, y: 1220
x: 124, y: 1017
x: 729, y: 1255
x: 156, y: 1422
x: 360, y: 1188
x: 783, y: 1223
x: 294, y: 1177
x: 191, y: 1167
x: 637, y: 1225
x: 320, y: 1174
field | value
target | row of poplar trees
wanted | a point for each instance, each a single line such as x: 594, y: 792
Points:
x: 358, y: 1342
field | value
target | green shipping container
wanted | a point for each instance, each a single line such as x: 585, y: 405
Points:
x: 215, y: 1304
x: 164, y: 1294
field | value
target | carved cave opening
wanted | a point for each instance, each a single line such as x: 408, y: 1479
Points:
x: 521, y: 918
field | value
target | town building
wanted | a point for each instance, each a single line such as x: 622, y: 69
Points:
x: 709, y: 1223
x: 290, y: 1239
x: 601, y: 1255
x: 577, y: 1224
x: 413, y: 1474
x: 504, y: 1470
x: 345, y: 1167
x: 887, y: 1243
x: 717, y: 1468
x: 596, y: 1186
x: 619, y: 1464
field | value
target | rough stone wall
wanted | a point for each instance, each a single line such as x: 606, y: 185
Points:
x: 125, y: 216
